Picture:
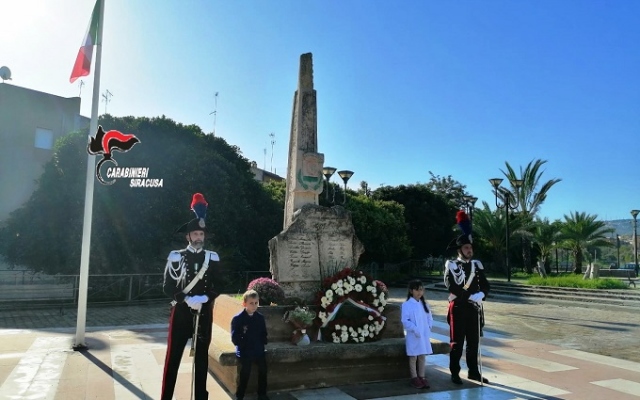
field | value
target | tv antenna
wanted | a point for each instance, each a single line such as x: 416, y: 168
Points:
x: 80, y: 85
x: 273, y: 141
x: 215, y: 112
x: 106, y: 97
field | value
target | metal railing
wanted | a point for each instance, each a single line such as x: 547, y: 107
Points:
x: 26, y: 288
x: 63, y: 289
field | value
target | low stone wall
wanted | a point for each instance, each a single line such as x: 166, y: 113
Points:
x: 279, y: 331
x: 320, y: 364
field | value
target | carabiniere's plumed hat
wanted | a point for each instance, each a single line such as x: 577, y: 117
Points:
x: 199, y: 207
x: 465, y: 225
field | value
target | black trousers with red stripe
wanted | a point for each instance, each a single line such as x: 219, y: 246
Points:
x: 463, y: 325
x: 181, y: 325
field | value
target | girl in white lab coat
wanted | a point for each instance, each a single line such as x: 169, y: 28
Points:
x: 417, y: 320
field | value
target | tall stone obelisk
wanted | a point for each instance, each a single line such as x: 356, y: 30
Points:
x: 316, y: 241
x: 304, y: 172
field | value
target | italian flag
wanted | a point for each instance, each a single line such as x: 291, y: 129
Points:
x: 82, y: 66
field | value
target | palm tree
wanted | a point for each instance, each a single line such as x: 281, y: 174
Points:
x: 581, y: 230
x: 489, y: 228
x: 530, y: 195
x: 545, y: 237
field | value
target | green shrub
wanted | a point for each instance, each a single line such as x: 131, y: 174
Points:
x: 576, y: 281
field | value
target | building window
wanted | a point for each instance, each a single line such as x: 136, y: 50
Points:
x: 44, y: 139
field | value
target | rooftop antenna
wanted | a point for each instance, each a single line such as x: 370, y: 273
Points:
x: 264, y: 166
x: 215, y: 112
x: 273, y: 141
x: 106, y: 97
x: 5, y: 74
x: 80, y: 85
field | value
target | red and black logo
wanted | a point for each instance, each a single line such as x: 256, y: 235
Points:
x: 105, y: 143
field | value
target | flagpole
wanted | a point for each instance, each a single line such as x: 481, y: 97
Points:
x: 83, y: 285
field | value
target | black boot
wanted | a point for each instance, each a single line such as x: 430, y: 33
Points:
x: 456, y: 379
x: 476, y: 377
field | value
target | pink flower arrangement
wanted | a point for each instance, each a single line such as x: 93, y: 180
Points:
x: 269, y: 290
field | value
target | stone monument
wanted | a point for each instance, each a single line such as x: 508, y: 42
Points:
x: 316, y: 241
x: 304, y: 169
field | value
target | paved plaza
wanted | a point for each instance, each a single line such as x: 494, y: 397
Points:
x: 530, y: 350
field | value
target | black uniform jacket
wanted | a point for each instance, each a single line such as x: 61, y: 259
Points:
x: 182, y: 267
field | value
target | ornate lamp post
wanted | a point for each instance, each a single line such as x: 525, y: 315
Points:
x: 507, y: 204
x: 345, y: 175
x: 469, y: 203
x: 634, y: 214
x: 328, y: 173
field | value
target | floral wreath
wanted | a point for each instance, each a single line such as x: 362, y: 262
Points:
x: 357, y: 289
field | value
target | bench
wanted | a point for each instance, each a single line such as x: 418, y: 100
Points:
x: 632, y: 277
x: 616, y: 273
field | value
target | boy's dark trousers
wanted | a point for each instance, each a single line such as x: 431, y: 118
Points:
x: 245, y: 372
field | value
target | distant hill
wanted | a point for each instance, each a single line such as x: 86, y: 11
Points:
x: 623, y: 227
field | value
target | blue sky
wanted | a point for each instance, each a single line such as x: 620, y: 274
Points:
x: 403, y: 87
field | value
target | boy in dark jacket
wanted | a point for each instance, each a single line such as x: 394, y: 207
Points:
x: 249, y: 334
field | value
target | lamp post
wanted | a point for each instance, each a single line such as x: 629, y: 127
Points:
x: 507, y: 204
x: 328, y: 173
x: 469, y: 203
x: 618, y: 246
x: 345, y: 175
x: 634, y: 214
x: 555, y: 245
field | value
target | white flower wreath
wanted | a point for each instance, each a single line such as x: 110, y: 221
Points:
x: 359, y: 290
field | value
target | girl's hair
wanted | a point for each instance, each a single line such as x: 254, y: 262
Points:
x: 417, y: 284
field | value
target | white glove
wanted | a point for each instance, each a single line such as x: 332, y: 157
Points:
x: 477, y: 297
x: 190, y: 301
x: 200, y: 299
x: 195, y: 302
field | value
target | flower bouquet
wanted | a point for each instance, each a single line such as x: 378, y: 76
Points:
x: 270, y: 291
x: 301, y: 318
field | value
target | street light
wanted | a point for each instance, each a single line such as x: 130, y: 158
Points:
x: 345, y: 175
x: 555, y: 245
x: 618, y: 246
x: 328, y: 173
x: 506, y: 204
x: 634, y: 214
x: 469, y: 203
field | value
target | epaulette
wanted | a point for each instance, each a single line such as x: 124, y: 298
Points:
x: 478, y: 264
x: 213, y: 256
x: 174, y: 256
x: 451, y: 264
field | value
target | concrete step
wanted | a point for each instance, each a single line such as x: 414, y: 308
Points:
x: 619, y: 297
x: 502, y: 289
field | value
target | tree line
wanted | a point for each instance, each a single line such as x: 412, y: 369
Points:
x: 133, y: 228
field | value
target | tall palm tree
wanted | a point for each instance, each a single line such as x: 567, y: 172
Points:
x: 581, y: 230
x: 530, y: 195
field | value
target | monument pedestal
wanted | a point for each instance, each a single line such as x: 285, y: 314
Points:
x: 321, y: 364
